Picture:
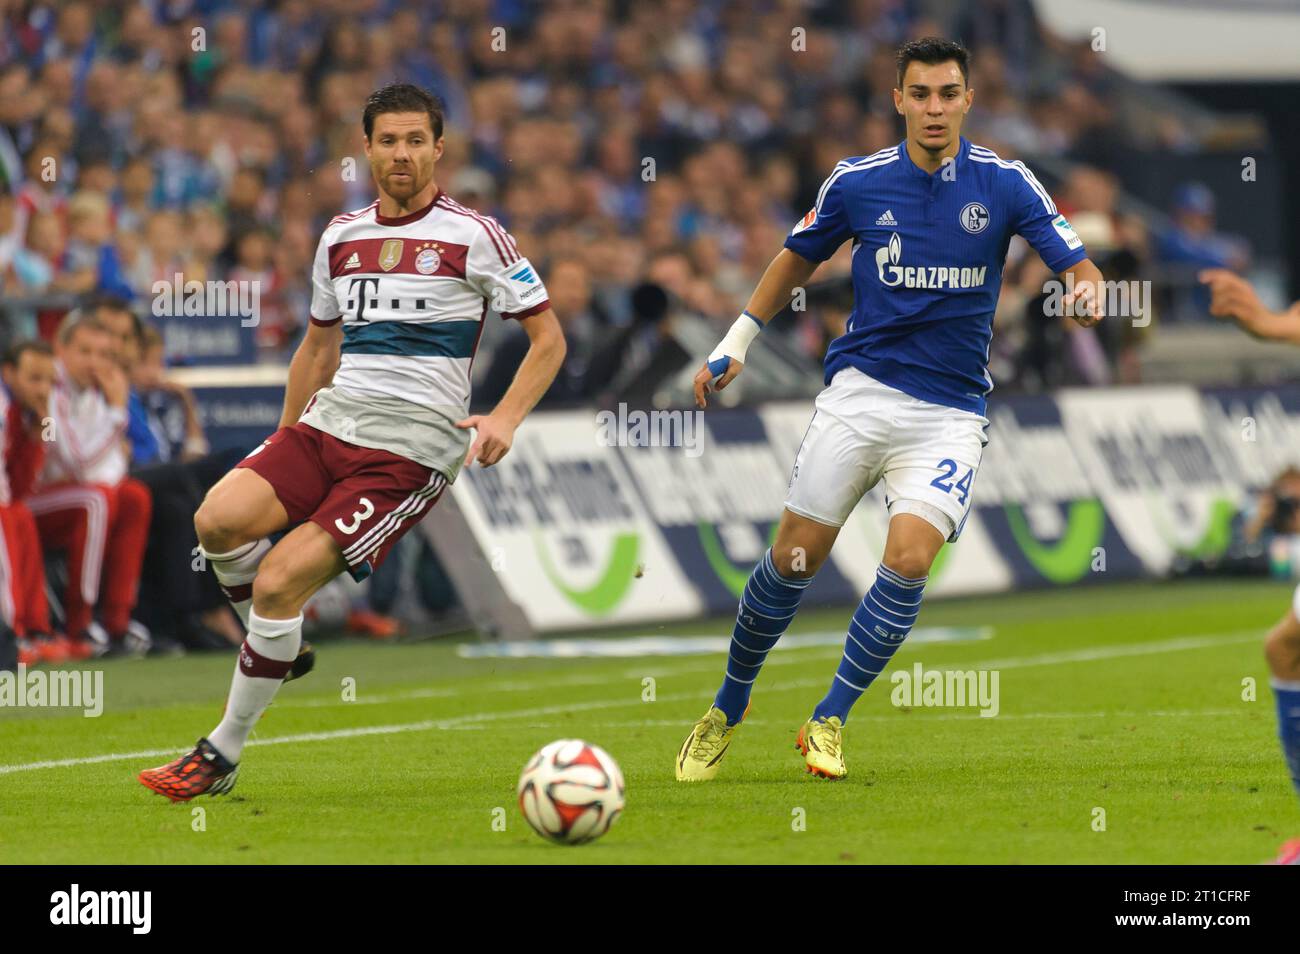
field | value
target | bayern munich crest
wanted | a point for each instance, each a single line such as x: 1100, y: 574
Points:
x: 427, y: 260
x: 974, y: 218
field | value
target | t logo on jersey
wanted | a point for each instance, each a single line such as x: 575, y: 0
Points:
x: 390, y: 254
x: 805, y: 222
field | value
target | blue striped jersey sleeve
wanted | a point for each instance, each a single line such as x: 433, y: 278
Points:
x: 826, y: 226
x: 1039, y: 223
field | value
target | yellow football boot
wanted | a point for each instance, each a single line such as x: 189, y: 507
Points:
x: 702, y: 752
x: 823, y: 750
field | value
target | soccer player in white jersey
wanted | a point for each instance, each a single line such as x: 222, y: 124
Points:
x: 375, y: 411
x: 930, y: 220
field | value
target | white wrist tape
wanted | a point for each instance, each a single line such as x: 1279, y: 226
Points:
x: 735, y: 344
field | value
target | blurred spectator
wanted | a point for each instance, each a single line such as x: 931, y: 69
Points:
x: 115, y: 315
x: 1276, y: 511
x: 86, y: 504
x: 169, y: 456
x: 1192, y: 239
x: 171, y: 411
x: 1192, y: 243
x: 26, y: 379
x: 1264, y: 537
x: 586, y: 370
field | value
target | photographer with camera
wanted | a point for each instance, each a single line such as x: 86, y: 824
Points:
x: 1277, y: 509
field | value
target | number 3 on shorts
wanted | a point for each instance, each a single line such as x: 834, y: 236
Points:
x: 367, y: 508
x: 944, y: 480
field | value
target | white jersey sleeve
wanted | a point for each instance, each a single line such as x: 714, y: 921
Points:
x: 507, y: 280
x: 324, y: 302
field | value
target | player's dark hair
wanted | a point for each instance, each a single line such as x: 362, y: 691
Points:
x: 932, y: 50
x: 14, y: 353
x: 402, y: 98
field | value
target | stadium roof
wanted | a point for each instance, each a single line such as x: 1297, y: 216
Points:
x: 1187, y: 40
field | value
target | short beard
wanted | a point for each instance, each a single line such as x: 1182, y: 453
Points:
x: 412, y: 189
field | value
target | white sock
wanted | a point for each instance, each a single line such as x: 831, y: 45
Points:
x: 235, y: 572
x: 267, y: 654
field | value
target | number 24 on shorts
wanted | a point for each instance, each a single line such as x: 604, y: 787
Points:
x: 944, y: 480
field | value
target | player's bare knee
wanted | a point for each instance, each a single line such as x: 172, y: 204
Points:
x: 798, y: 561
x: 911, y: 562
x: 1282, y: 649
x: 216, y: 532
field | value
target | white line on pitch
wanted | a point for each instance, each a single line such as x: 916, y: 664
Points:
x: 925, y: 714
x: 465, y: 722
x: 275, y: 740
x: 683, y: 669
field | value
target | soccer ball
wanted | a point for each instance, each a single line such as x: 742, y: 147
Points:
x: 571, y: 791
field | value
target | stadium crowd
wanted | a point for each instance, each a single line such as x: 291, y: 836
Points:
x: 627, y: 147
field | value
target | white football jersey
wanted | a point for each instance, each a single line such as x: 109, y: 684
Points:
x: 412, y: 293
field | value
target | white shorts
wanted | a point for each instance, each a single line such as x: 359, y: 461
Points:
x: 863, y: 430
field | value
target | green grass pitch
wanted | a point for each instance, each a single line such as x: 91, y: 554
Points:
x: 1126, y: 698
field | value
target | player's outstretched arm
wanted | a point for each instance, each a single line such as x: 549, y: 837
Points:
x: 496, y: 431
x: 784, y: 274
x: 1232, y: 297
x: 312, y: 367
x: 1083, y: 296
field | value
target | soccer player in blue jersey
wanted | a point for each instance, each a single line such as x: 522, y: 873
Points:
x: 930, y: 220
x: 1233, y: 297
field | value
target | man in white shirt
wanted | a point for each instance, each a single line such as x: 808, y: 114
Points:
x: 85, y: 502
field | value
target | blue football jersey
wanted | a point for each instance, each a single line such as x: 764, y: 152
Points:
x: 928, y: 252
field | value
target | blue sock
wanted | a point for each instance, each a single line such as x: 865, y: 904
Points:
x: 766, y: 608
x: 1287, y: 695
x: 879, y: 625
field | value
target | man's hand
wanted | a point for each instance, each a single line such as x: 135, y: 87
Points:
x: 1232, y: 297
x: 786, y: 272
x: 112, y: 381
x: 1083, y: 304
x: 704, y: 380
x: 495, y: 435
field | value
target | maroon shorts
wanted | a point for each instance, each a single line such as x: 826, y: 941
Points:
x: 364, y: 498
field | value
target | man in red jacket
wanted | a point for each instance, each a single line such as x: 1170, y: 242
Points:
x: 26, y: 378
